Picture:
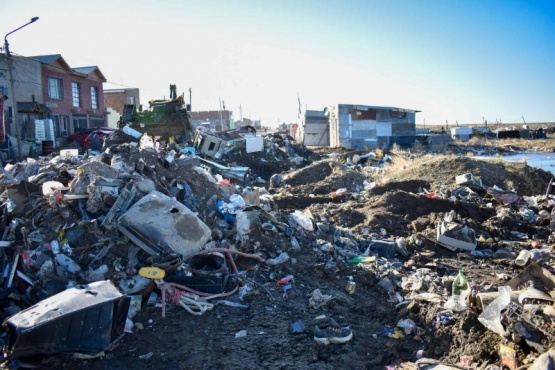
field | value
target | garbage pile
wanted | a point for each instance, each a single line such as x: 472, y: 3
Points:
x: 407, y: 237
x: 426, y: 269
x: 76, y: 227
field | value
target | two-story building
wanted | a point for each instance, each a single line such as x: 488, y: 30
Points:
x: 73, y: 95
x: 51, y: 100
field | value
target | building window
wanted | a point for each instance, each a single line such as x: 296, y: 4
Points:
x: 75, y: 94
x: 132, y: 100
x: 94, y: 97
x: 96, y: 121
x: 79, y: 122
x: 56, y: 121
x: 64, y: 126
x: 55, y: 88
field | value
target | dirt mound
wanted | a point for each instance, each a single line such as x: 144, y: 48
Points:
x: 444, y: 169
x: 324, y: 177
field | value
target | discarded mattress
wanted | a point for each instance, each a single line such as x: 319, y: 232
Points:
x: 160, y: 225
x: 85, y: 318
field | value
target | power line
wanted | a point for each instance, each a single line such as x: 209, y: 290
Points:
x: 107, y: 82
x: 64, y: 70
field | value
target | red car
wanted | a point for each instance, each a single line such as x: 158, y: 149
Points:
x: 100, y: 133
x: 77, y: 139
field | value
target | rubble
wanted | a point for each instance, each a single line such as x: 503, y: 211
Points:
x: 190, y: 250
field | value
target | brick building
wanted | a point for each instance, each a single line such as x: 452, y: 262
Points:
x: 214, y: 119
x: 73, y: 95
x: 115, y: 99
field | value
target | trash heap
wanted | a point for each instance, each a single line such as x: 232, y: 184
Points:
x: 75, y: 225
x: 457, y: 269
x: 410, y: 232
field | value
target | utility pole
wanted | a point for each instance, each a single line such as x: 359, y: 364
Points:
x: 299, y: 99
x: 240, y: 113
x: 190, y: 100
x: 9, y: 61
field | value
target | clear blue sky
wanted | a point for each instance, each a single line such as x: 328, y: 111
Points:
x: 453, y: 60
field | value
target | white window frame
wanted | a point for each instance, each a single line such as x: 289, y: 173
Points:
x: 94, y: 97
x: 55, y: 88
x: 75, y: 94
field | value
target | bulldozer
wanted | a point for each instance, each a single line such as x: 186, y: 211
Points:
x: 167, y: 119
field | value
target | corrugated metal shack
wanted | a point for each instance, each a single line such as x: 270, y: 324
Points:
x: 316, y: 128
x: 360, y: 126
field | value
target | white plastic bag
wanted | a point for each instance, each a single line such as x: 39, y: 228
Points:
x: 303, y: 220
x: 243, y: 226
x: 455, y: 303
x: 491, y: 317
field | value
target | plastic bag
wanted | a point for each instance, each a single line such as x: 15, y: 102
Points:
x: 237, y: 201
x: 491, y: 317
x: 303, y: 220
x: 243, y: 226
x: 455, y: 303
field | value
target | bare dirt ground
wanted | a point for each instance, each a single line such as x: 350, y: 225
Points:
x: 395, y: 207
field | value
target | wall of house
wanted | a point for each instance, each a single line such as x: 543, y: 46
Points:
x: 65, y: 106
x: 357, y: 127
x: 27, y: 83
x: 116, y: 99
x: 112, y: 118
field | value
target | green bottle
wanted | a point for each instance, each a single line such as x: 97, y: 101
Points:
x: 360, y: 259
x: 461, y: 286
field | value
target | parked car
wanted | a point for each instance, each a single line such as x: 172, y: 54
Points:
x: 77, y: 139
x: 98, y: 133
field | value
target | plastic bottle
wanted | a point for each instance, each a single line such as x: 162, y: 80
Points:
x: 295, y: 244
x: 55, y: 246
x: 361, y: 259
x: 461, y: 286
x: 351, y: 285
x: 522, y: 257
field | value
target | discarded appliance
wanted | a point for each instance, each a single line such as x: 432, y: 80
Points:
x: 85, y: 318
x: 120, y: 205
x: 237, y: 173
x: 456, y: 235
x: 214, y: 145
x: 170, y: 227
x: 206, y: 273
x: 468, y: 179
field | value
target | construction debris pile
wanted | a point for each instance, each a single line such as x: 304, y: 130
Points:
x: 147, y: 245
